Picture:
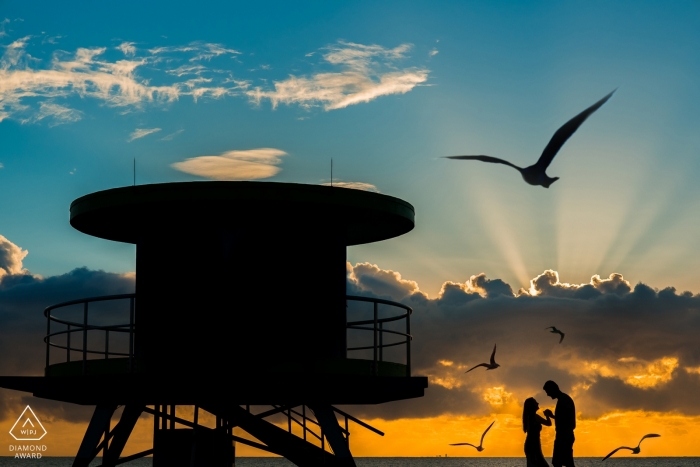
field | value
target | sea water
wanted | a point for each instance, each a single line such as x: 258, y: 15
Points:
x: 395, y: 462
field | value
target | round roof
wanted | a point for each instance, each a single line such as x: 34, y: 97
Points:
x: 123, y: 214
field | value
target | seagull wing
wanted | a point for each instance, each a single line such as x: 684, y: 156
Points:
x: 551, y: 327
x: 494, y: 160
x: 493, y: 355
x: 480, y: 364
x: 621, y: 447
x: 463, y: 444
x: 562, y: 337
x: 487, y: 430
x: 650, y: 435
x: 565, y: 132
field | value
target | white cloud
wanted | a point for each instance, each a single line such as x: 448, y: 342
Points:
x: 367, y: 73
x: 1, y: 165
x: 235, y: 165
x: 354, y: 186
x: 141, y: 132
x: 433, y: 52
x: 26, y: 82
x: 57, y: 113
x: 2, y: 27
x: 11, y: 257
x: 127, y: 48
x: 171, y: 135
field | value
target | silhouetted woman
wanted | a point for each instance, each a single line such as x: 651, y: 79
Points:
x: 532, y: 425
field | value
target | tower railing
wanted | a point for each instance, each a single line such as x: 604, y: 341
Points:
x: 378, y: 331
x: 84, y: 328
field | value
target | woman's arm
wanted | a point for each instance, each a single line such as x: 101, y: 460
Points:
x: 544, y: 422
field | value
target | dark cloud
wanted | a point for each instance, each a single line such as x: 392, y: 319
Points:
x: 625, y: 347
x: 23, y: 298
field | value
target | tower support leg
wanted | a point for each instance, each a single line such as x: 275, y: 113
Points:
x: 121, y: 433
x: 331, y: 430
x: 95, y: 430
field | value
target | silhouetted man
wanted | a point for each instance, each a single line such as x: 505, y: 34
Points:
x: 565, y: 420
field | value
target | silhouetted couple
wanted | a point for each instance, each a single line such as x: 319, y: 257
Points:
x: 565, y: 422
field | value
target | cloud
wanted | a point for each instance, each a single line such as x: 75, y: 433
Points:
x: 353, y: 186
x: 2, y: 27
x: 366, y: 277
x: 127, y: 48
x: 11, y: 257
x: 626, y: 347
x: 251, y: 164
x: 58, y: 114
x: 1, y: 165
x: 367, y: 72
x: 433, y: 52
x: 28, y: 85
x: 141, y: 132
x: 171, y: 135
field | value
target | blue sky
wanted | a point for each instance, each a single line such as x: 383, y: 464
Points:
x: 385, y: 89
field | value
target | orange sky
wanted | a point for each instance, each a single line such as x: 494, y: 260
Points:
x: 431, y: 436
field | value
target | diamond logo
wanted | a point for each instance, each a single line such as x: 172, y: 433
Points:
x: 28, y: 427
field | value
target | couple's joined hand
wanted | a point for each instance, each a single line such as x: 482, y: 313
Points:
x: 548, y: 413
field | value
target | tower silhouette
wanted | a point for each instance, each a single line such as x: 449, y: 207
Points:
x: 240, y: 311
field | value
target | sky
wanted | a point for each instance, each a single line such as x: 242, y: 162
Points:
x: 273, y: 91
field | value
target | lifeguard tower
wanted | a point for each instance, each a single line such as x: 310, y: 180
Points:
x: 241, y: 311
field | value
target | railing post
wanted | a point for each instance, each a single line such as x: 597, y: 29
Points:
x: 106, y: 344
x: 408, y: 342
x: 85, y: 331
x: 68, y: 344
x: 131, y: 334
x: 381, y: 342
x: 303, y: 419
x: 48, y: 339
x: 375, y: 370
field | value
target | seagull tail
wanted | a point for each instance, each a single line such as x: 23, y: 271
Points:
x: 550, y: 181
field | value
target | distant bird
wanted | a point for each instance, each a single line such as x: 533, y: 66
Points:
x: 535, y: 174
x: 480, y: 446
x: 556, y: 331
x: 634, y: 450
x: 489, y: 366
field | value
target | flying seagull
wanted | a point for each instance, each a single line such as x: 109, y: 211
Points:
x: 480, y: 446
x: 535, y: 174
x: 634, y: 450
x: 489, y: 366
x: 556, y: 331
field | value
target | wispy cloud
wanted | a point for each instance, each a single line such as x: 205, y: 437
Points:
x: 127, y: 48
x: 251, y: 164
x: 29, y: 86
x: 171, y: 135
x: 433, y: 52
x: 367, y: 72
x: 57, y: 114
x: 141, y: 132
x: 2, y: 27
x: 1, y: 165
x: 353, y: 186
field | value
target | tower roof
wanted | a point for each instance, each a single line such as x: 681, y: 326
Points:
x: 123, y: 214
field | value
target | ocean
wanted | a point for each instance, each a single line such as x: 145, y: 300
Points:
x: 395, y: 462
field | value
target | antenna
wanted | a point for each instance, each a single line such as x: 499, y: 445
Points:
x: 331, y: 172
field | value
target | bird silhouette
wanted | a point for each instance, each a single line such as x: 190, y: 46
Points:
x: 634, y: 450
x: 480, y: 447
x: 535, y: 174
x: 556, y: 331
x: 489, y: 366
